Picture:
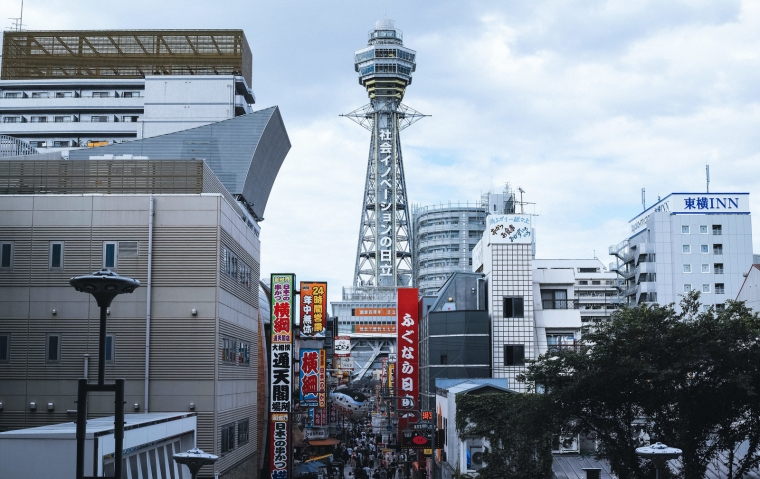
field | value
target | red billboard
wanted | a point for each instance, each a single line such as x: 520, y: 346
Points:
x: 313, y: 309
x: 407, y: 342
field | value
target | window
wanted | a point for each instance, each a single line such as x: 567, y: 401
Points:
x: 228, y: 437
x: 705, y: 268
x: 717, y: 230
x: 687, y: 268
x: 100, y: 94
x: 704, y: 249
x: 109, y: 348
x: 235, y: 351
x: 559, y: 341
x: 514, y: 355
x: 56, y: 255
x: 129, y: 119
x: 127, y: 249
x: 596, y: 283
x: 720, y: 288
x: 584, y: 283
x: 13, y: 94
x: 38, y: 144
x: 6, y: 255
x: 717, y: 249
x: 60, y: 144
x: 513, y: 307
x: 444, y: 359
x: 686, y: 248
x: 109, y: 255
x: 705, y: 288
x: 131, y: 94
x: 703, y: 229
x: 53, y: 348
x: 5, y: 348
x: 554, y: 298
x: 685, y: 229
x: 12, y: 119
x: 63, y: 119
x: 242, y: 431
x: 235, y: 268
x: 687, y: 288
x: 63, y: 94
x: 39, y: 119
x: 720, y: 307
x: 718, y: 268
x: 469, y: 261
x: 588, y: 270
x: 99, y: 119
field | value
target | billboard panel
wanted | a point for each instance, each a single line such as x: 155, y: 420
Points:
x: 508, y: 229
x: 407, y: 341
x: 309, y: 377
x: 280, y: 445
x: 280, y: 380
x: 342, y: 345
x: 321, y: 394
x: 313, y: 309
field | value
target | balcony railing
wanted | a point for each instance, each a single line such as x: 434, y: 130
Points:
x: 559, y: 304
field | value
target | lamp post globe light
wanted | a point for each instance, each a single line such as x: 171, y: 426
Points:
x: 194, y: 459
x: 659, y: 454
x: 104, y: 286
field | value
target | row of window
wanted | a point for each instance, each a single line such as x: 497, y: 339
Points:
x: 71, y: 118
x: 72, y: 94
x: 703, y: 230
x: 112, y: 250
x: 717, y: 268
x: 720, y: 288
x: 704, y: 249
x: 235, y: 268
x: 595, y: 282
x: 52, y: 348
x: 235, y: 351
x: 228, y: 435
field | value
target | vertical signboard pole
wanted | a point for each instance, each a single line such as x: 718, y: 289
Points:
x: 281, y: 375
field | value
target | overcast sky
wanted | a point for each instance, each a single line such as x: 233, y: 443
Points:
x: 580, y: 103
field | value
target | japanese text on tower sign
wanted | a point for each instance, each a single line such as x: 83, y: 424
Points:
x: 387, y: 198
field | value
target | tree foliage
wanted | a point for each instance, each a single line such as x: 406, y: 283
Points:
x: 686, y: 378
x: 518, y: 430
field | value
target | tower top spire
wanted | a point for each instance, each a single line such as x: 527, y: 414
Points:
x: 385, y: 66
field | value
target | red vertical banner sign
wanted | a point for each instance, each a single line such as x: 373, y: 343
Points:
x: 322, y: 379
x: 407, y: 344
x: 281, y: 374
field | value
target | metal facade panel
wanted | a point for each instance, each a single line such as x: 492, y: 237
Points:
x: 245, y: 152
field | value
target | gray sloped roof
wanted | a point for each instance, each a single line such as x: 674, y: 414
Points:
x: 570, y: 466
x: 245, y: 152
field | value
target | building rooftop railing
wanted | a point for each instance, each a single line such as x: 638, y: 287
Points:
x: 368, y: 293
x: 418, y: 210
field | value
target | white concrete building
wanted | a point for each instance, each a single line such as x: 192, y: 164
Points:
x: 750, y: 290
x: 65, y: 113
x: 685, y: 242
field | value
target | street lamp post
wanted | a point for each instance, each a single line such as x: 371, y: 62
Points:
x: 194, y: 459
x: 658, y: 453
x: 104, y: 286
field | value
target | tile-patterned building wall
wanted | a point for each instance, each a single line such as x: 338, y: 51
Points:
x: 511, y: 275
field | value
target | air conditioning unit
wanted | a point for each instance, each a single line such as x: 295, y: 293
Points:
x: 476, y: 454
x: 565, y: 443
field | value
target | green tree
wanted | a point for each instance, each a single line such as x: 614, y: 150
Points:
x: 518, y: 428
x: 688, y: 379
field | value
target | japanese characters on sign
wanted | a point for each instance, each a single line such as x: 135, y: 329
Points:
x: 407, y: 342
x: 322, y: 395
x: 373, y: 312
x: 342, y: 345
x: 385, y: 182
x: 693, y: 203
x: 426, y: 415
x: 281, y: 367
x: 282, y: 336
x: 279, y: 446
x: 319, y: 416
x: 313, y: 309
x: 508, y: 229
x: 309, y: 377
x: 391, y: 377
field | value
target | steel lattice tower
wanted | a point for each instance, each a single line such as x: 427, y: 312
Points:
x: 384, y: 252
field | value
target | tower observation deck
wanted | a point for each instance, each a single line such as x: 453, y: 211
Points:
x: 384, y: 251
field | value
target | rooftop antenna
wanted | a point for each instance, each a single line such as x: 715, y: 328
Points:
x: 18, y: 22
x: 644, y: 198
x: 522, y: 205
x: 707, y: 171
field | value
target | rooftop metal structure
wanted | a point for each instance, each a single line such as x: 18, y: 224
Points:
x: 124, y: 53
x: 384, y: 251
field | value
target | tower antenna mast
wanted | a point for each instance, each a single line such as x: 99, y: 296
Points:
x: 707, y: 172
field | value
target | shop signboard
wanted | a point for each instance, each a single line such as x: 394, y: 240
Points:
x: 407, y: 341
x: 309, y: 377
x: 280, y: 445
x: 508, y: 229
x: 342, y: 345
x: 313, y: 309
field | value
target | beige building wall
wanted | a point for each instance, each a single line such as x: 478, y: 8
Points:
x: 186, y: 364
